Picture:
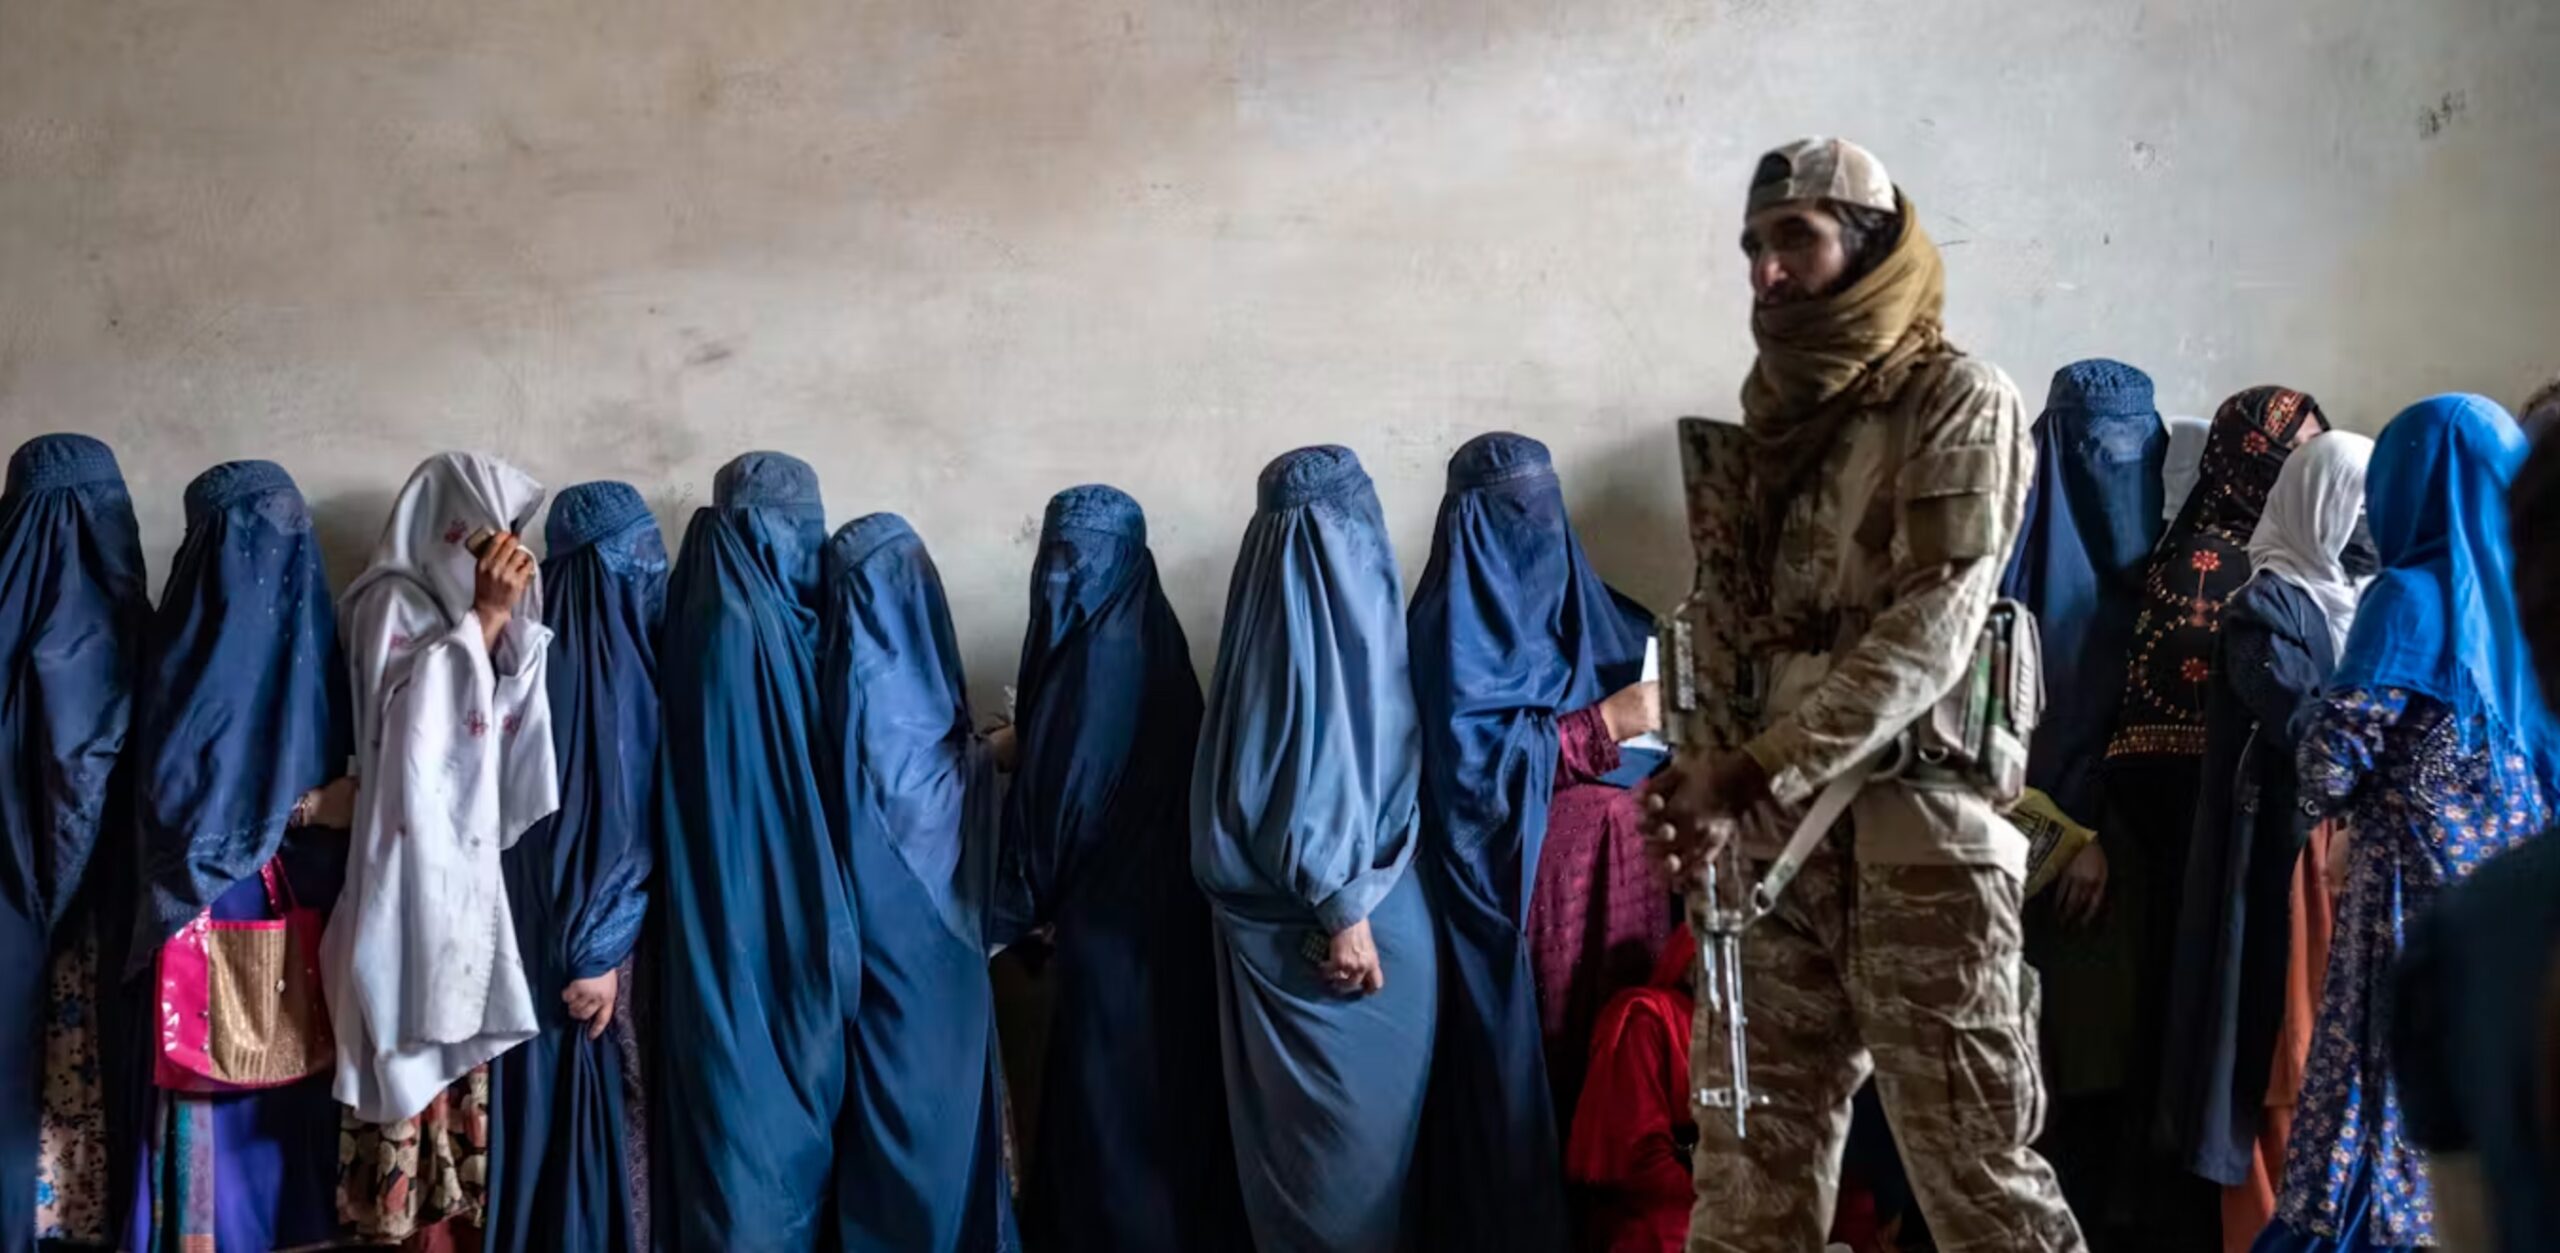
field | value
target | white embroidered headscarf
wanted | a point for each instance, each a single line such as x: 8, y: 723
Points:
x: 2310, y: 515
x: 454, y: 759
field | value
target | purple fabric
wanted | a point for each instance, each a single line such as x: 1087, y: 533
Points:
x: 1599, y: 915
x: 274, y: 1153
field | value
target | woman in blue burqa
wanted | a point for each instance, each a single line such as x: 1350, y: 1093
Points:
x: 1512, y: 630
x: 71, y: 608
x: 754, y: 950
x: 1133, y: 1154
x: 911, y: 794
x: 1303, y: 824
x: 577, y: 884
x: 241, y: 750
x: 2093, y: 517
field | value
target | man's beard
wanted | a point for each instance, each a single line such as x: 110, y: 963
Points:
x: 1794, y: 293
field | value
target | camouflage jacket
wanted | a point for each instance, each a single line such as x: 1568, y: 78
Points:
x: 1886, y: 573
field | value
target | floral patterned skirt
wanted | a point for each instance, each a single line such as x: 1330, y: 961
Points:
x: 71, y: 1163
x: 2349, y: 1154
x: 403, y: 1182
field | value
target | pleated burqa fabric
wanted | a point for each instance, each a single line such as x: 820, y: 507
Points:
x: 753, y: 952
x: 579, y: 883
x: 2093, y: 517
x: 246, y: 710
x: 911, y: 794
x: 72, y: 604
x: 1303, y: 824
x: 1133, y: 1153
x: 1511, y: 630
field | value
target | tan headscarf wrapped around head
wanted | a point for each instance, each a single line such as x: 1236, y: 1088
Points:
x: 1823, y: 361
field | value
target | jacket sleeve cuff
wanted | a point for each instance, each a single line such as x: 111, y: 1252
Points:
x: 1780, y: 751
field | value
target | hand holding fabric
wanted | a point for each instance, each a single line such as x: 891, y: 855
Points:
x: 591, y: 1001
x: 1353, y: 966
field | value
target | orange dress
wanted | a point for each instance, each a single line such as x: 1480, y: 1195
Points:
x: 2248, y: 1207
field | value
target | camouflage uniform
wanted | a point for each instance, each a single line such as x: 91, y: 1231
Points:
x: 1897, y: 950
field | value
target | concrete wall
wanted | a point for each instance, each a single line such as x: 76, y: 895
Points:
x: 961, y: 254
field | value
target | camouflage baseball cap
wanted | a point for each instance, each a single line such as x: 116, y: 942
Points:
x: 1821, y: 168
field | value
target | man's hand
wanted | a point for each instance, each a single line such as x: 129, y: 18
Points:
x: 505, y: 570
x: 1633, y: 710
x: 2081, y: 889
x: 1006, y: 744
x: 1353, y: 967
x: 1692, y: 805
x: 591, y: 1001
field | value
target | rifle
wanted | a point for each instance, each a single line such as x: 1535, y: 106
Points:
x: 1710, y: 696
x: 1713, y: 698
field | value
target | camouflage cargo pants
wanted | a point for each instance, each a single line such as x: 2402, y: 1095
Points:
x: 1912, y: 972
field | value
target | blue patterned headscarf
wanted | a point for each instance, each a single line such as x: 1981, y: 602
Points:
x: 248, y: 694
x: 2441, y: 618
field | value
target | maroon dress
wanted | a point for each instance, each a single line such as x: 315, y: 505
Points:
x: 1599, y: 913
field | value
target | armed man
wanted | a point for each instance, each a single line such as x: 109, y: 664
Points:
x: 1885, y: 478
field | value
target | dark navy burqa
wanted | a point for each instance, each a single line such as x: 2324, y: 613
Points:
x: 754, y: 950
x: 72, y: 604
x: 2093, y: 516
x: 1133, y: 1153
x: 577, y: 881
x: 244, y: 710
x: 1510, y: 630
x: 1303, y: 823
x: 911, y: 796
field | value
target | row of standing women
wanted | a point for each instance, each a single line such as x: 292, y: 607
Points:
x: 1304, y: 1001
x: 742, y: 798
x: 2324, y: 678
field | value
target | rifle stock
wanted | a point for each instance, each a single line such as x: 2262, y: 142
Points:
x: 1710, y: 700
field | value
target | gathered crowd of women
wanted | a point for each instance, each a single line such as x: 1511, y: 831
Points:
x: 599, y: 901
x: 2327, y: 718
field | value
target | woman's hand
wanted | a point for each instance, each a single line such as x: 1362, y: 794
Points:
x: 591, y: 1001
x: 1006, y: 745
x: 2080, y: 891
x: 1633, y: 710
x: 331, y: 805
x: 505, y: 570
x: 1352, y: 967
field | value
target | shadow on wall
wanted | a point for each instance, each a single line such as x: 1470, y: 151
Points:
x: 1626, y: 506
x: 349, y: 524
